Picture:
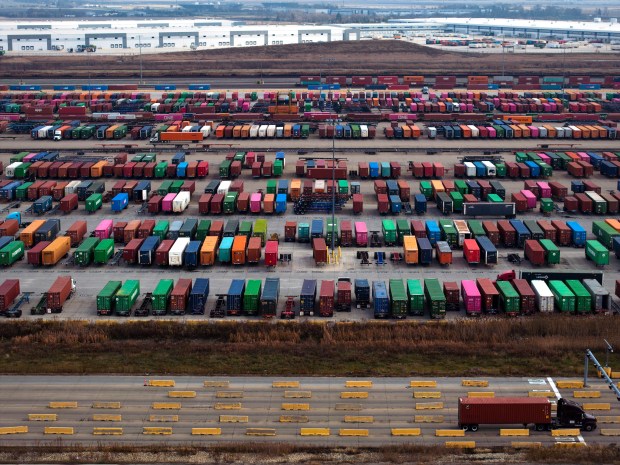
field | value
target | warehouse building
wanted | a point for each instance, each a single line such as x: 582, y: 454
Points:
x: 108, y: 36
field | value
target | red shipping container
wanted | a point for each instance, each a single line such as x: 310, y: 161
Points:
x: 118, y: 231
x: 489, y: 294
x: 571, y: 204
x: 418, y: 229
x: 9, y: 290
x: 520, y: 201
x: 326, y: 299
x: 343, y: 296
x: 243, y: 202
x: 471, y: 251
x: 358, y: 204
x: 534, y: 252
x: 290, y: 231
x: 558, y: 191
x: 69, y: 203
x: 180, y: 296
x: 203, y: 169
x: 346, y: 233
x: 154, y: 204
x: 404, y: 190
x: 33, y: 256
x: 271, y: 253
x: 395, y: 169
x: 451, y: 291
x: 459, y: 170
x: 490, y: 228
x: 146, y: 229
x: 58, y: 192
x: 216, y: 203
x: 363, y: 170
x: 548, y: 230
x: 585, y: 203
x: 383, y: 204
x: 204, y: 203
x: 528, y: 297
x: 161, y: 253
x: 189, y: 186
x: 507, y: 233
x: 76, y: 232
x: 418, y: 170
x: 380, y: 187
x: 130, y: 251
x: 589, y: 186
x: 438, y: 170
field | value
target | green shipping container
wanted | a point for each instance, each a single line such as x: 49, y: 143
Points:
x: 475, y: 228
x: 149, y: 157
x: 521, y: 157
x: 161, y: 296
x: 260, y: 230
x: 583, y: 299
x: 343, y: 186
x: 164, y: 188
x: 398, y: 299
x: 552, y: 252
x: 457, y: 201
x: 230, y: 201
x: 11, y: 253
x: 494, y: 198
x: 160, y: 170
x: 22, y: 170
x: 126, y: 297
x: 137, y: 158
x: 604, y: 233
x: 224, y: 169
x: 21, y: 193
x: 104, y: 251
x: 426, y: 189
x: 435, y: 298
x: 448, y: 232
x: 245, y: 229
x: 500, y: 170
x: 272, y: 186
x: 18, y: 157
x: 415, y: 295
x: 84, y: 253
x: 461, y: 186
x: 94, y: 202
x: 202, y: 230
x: 564, y: 298
x: 175, y: 188
x: 389, y: 232
x: 105, y: 298
x: 161, y: 229
x: 251, y: 297
x: 403, y: 229
x: 597, y: 252
x: 278, y: 168
x: 546, y: 206
x: 509, y: 299
x: 303, y: 232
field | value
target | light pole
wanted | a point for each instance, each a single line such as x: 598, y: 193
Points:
x: 140, y: 50
x: 333, y: 247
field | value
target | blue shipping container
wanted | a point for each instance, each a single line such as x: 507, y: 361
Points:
x: 522, y: 232
x: 191, y: 254
x: 198, y: 296
x: 419, y: 203
x: 120, y: 202
x: 235, y: 296
x: 316, y: 228
x: 307, y: 297
x: 381, y: 303
x: 374, y: 169
x: 395, y: 204
x: 578, y: 234
x: 433, y: 233
x: 182, y: 169
x: 146, y: 253
x: 425, y: 251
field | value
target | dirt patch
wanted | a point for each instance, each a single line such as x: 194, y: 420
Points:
x: 345, y: 58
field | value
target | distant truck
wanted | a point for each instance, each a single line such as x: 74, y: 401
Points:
x: 474, y: 411
x: 178, y: 137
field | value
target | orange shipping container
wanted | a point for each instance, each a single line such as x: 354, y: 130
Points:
x: 96, y: 171
x: 410, y: 249
x: 208, y: 250
x: 238, y: 250
x: 27, y: 235
x: 268, y: 203
x: 54, y: 252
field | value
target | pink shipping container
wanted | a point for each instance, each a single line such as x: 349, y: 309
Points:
x: 471, y: 297
x: 544, y: 189
x: 533, y: 131
x: 166, y: 203
x: 492, y: 133
x: 530, y: 198
x: 255, y: 202
x: 361, y: 234
x: 545, y: 158
x: 584, y: 156
x: 104, y: 229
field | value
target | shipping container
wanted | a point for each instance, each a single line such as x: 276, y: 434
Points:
x: 597, y: 252
x: 545, y: 300
x: 583, y: 299
x: 126, y: 297
x: 435, y: 298
x: 509, y: 299
x: 106, y: 298
x: 9, y: 290
x: 104, y: 250
x: 563, y: 297
x: 471, y: 297
x: 269, y: 298
x: 60, y: 291
x: 415, y: 295
x: 307, y: 297
x: 381, y: 303
x: 398, y: 299
x: 489, y: 294
x: 57, y: 250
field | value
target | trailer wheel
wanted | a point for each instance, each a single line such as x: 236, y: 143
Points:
x: 465, y: 427
x: 473, y: 428
x: 540, y: 427
x: 588, y: 428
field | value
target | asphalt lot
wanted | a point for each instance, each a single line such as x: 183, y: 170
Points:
x: 390, y: 403
x: 91, y: 279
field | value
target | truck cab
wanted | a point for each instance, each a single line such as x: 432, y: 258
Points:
x: 571, y: 415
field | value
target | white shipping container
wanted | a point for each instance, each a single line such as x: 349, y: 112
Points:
x: 542, y: 132
x: 180, y: 202
x: 432, y: 132
x: 319, y: 185
x: 10, y: 170
x: 470, y: 169
x: 544, y: 296
x: 175, y: 255
x: 71, y: 188
x: 262, y: 131
x: 42, y: 134
x: 155, y: 107
x: 224, y: 187
x: 491, y: 170
x: 559, y: 132
x: 475, y: 133
x: 206, y: 131
x: 271, y: 130
x: 462, y: 230
x: 594, y: 196
x: 364, y: 131
x: 254, y: 131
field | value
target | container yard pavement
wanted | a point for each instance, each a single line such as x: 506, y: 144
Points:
x: 91, y: 279
x: 302, y: 410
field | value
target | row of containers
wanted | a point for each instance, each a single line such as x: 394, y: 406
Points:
x: 188, y: 243
x: 397, y: 299
x: 195, y: 242
x: 44, y: 165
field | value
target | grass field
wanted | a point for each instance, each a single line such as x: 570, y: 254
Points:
x: 493, y: 347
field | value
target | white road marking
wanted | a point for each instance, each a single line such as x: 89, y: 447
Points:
x: 558, y: 396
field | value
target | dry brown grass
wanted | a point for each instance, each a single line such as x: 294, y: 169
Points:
x: 494, y: 347
x: 363, y: 57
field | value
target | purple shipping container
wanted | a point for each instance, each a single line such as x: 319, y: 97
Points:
x: 471, y: 297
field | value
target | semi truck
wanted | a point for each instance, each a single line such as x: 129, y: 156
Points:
x: 474, y: 412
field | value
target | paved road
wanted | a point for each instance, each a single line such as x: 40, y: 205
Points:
x: 390, y: 403
x: 92, y: 279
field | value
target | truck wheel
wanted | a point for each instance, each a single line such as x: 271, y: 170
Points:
x: 540, y: 427
x: 473, y: 428
x: 588, y: 428
x: 465, y: 427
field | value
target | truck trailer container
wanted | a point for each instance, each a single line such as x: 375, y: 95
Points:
x: 106, y: 298
x: 126, y: 297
